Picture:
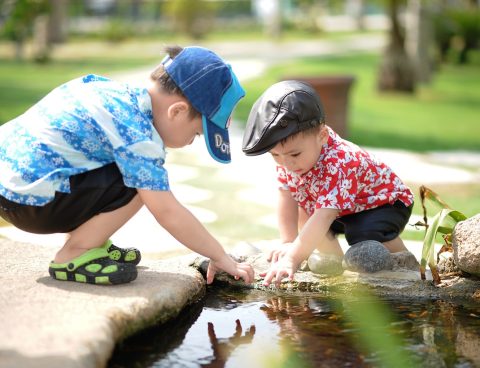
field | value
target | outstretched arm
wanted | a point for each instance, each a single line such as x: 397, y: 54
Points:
x: 185, y: 227
x: 287, y: 215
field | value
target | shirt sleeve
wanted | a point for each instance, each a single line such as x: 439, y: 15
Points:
x: 339, y: 187
x: 282, y: 178
x: 141, y: 165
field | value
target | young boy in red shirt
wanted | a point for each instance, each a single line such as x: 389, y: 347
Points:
x: 328, y: 185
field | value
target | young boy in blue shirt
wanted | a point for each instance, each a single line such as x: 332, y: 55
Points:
x: 91, y: 153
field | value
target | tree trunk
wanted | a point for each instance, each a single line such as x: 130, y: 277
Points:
x: 396, y: 72
x: 419, y: 38
x: 274, y: 24
x: 356, y: 8
x: 57, y: 23
x: 41, y: 45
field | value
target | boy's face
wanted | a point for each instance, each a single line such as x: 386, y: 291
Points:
x: 178, y: 129
x: 300, y: 153
x: 185, y: 131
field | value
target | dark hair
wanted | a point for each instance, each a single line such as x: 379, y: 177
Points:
x: 309, y: 131
x: 167, y: 84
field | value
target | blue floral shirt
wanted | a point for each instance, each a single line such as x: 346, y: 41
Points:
x: 82, y: 125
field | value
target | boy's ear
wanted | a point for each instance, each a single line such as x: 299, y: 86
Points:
x: 323, y: 134
x: 177, y: 108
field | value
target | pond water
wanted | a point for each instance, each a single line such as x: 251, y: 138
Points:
x: 252, y: 328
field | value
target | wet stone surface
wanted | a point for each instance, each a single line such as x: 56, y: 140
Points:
x: 401, y: 281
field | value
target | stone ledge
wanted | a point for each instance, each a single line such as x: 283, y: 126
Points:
x: 400, y: 283
x: 49, y: 323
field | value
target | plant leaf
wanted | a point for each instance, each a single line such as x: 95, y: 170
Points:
x: 440, y: 224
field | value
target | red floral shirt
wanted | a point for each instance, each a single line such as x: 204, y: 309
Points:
x: 346, y: 178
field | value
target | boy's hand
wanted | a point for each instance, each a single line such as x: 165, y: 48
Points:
x: 227, y: 264
x: 278, y: 252
x: 285, y: 267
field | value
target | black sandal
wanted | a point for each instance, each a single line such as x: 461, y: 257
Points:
x: 94, y: 267
x: 122, y: 255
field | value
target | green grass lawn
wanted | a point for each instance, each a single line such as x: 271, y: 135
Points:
x: 443, y: 115
x: 23, y: 84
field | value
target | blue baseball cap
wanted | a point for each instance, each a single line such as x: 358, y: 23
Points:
x: 212, y: 88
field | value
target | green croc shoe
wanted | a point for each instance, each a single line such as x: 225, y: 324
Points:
x: 94, y: 267
x: 122, y: 255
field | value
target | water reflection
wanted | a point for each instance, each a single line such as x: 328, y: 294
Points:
x: 238, y: 328
x: 310, y: 327
x: 223, y: 347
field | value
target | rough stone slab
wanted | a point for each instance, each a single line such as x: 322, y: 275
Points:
x: 398, y: 283
x: 466, y: 245
x: 49, y: 323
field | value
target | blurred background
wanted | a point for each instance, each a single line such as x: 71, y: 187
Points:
x: 400, y: 75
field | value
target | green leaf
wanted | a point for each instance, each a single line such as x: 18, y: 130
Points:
x: 440, y: 224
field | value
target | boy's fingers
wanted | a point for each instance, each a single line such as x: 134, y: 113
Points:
x: 279, y: 277
x: 268, y: 278
x: 210, y: 273
x: 245, y: 276
x: 250, y: 274
x: 275, y: 257
x: 269, y: 255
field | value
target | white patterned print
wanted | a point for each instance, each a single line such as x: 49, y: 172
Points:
x: 82, y: 125
x: 346, y: 178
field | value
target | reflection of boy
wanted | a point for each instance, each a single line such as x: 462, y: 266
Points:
x: 89, y: 155
x: 327, y: 185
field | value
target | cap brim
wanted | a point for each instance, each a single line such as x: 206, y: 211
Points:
x: 217, y: 141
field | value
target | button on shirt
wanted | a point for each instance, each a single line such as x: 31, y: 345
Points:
x: 82, y: 125
x: 345, y: 178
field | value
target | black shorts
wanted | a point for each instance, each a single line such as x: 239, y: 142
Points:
x: 94, y: 192
x: 382, y: 224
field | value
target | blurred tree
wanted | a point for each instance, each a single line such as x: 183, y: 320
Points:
x: 419, y: 38
x: 136, y: 6
x: 57, y: 21
x: 192, y: 17
x: 270, y: 14
x: 19, y: 23
x: 356, y: 8
x: 457, y: 29
x: 468, y: 31
x: 396, y: 71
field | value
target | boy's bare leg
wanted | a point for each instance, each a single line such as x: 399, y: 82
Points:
x: 330, y: 244
x: 395, y: 245
x: 96, y: 231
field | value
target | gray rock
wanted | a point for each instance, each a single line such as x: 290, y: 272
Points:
x: 404, y: 261
x: 466, y: 245
x: 447, y: 265
x: 367, y: 256
x: 325, y: 264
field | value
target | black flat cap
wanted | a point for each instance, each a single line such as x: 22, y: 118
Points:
x: 285, y: 108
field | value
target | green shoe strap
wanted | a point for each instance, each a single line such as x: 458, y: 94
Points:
x: 91, y: 255
x: 107, y: 244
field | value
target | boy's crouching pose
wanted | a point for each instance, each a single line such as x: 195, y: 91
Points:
x: 328, y: 185
x: 90, y: 154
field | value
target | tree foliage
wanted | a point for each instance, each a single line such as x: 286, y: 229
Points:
x: 191, y: 17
